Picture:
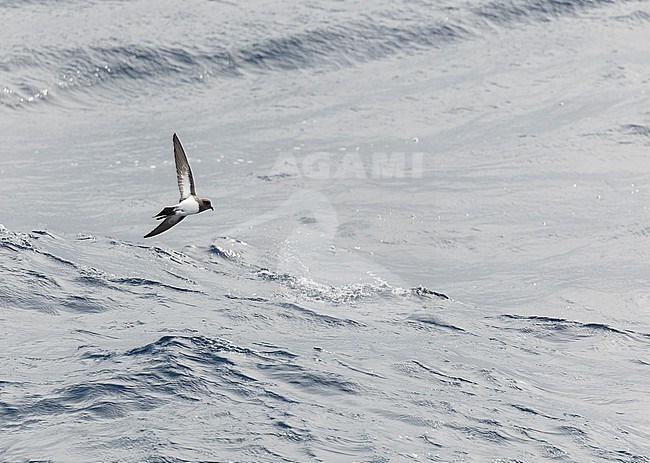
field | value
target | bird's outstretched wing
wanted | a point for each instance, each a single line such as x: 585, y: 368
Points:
x: 165, y: 225
x: 183, y: 171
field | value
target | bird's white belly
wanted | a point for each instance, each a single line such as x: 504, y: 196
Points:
x: 187, y: 207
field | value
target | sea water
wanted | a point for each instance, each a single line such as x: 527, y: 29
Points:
x: 431, y: 236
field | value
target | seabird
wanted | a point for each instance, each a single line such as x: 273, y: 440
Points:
x: 189, y: 203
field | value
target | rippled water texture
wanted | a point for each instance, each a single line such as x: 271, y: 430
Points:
x: 430, y: 239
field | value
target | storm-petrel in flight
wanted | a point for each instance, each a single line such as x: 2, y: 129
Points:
x: 189, y: 203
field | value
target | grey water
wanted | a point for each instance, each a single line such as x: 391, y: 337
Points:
x: 431, y: 236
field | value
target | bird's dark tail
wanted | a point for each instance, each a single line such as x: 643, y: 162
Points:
x: 164, y: 213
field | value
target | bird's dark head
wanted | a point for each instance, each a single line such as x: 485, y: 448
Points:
x: 204, y: 205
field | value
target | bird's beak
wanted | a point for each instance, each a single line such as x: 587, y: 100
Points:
x: 212, y: 208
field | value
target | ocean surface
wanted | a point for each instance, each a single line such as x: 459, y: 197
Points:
x: 431, y: 236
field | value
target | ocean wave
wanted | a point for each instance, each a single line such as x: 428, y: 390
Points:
x: 41, y: 272
x: 295, y: 310
x: 547, y: 325
x: 505, y: 12
x: 114, y: 70
x: 432, y: 322
x: 312, y: 381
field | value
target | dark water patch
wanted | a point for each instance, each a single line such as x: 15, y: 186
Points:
x: 312, y: 381
x: 276, y: 177
x: 430, y: 441
x: 94, y: 279
x: 561, y: 329
x: 105, y: 400
x: 455, y: 380
x: 571, y: 431
x: 244, y: 298
x: 345, y: 44
x: 494, y: 436
x: 636, y: 129
x: 106, y: 410
x: 319, y: 318
x: 44, y: 407
x: 38, y: 233
x: 146, y: 62
x: 279, y: 397
x: 525, y: 409
x: 86, y: 66
x: 79, y: 393
x: 534, y: 317
x: 602, y: 327
x: 553, y: 452
x: 286, y: 431
x: 488, y: 421
x: 171, y: 380
x: 180, y: 277
x: 625, y: 134
x: 169, y: 254
x: 97, y: 356
x: 359, y: 370
x: 426, y: 292
x: 164, y: 344
x: 8, y: 411
x: 37, y: 280
x: 307, y: 220
x: 375, y: 37
x: 190, y: 366
x: 432, y: 321
x: 84, y: 237
x: 83, y: 304
x: 498, y: 380
x: 132, y: 281
x: 59, y: 260
x: 275, y: 351
x: 631, y: 134
x: 109, y: 72
x: 505, y: 12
